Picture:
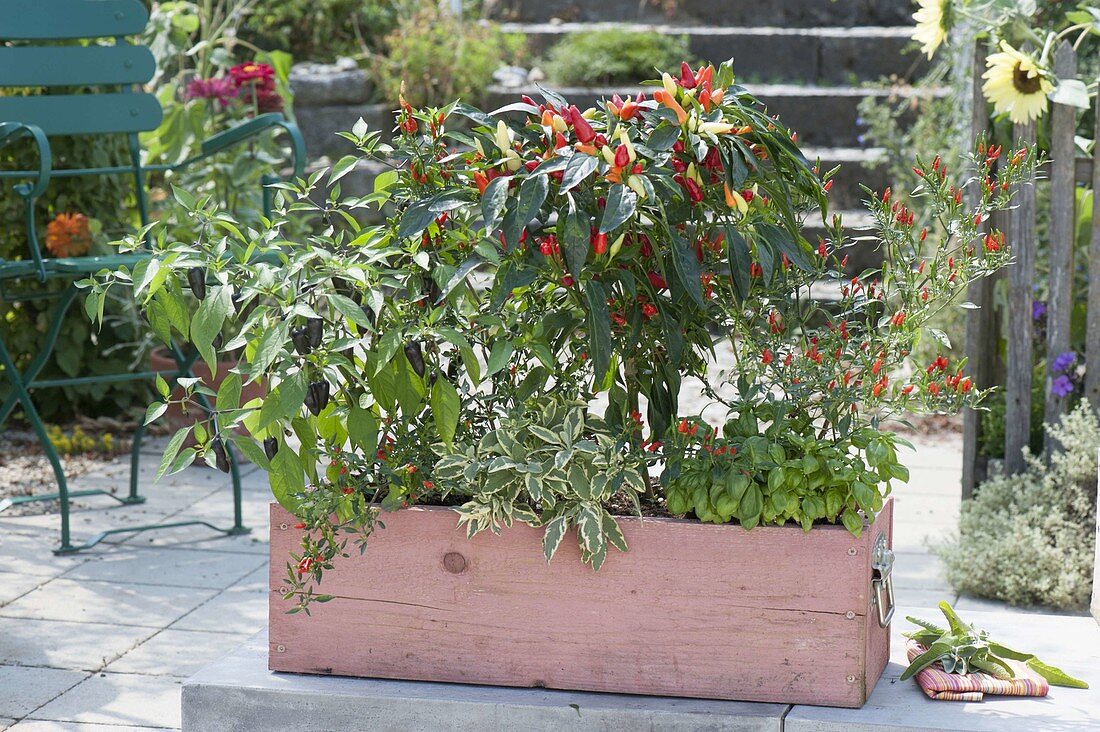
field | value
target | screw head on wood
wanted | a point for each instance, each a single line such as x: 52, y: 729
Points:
x: 282, y: 526
x: 851, y: 678
x: 454, y: 562
x: 282, y: 649
x: 850, y: 614
x: 852, y: 551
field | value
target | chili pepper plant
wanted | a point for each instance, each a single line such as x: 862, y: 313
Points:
x: 539, y: 260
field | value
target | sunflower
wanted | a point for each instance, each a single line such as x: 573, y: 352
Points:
x: 933, y: 21
x: 1016, y: 84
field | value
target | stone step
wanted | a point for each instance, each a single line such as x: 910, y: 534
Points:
x: 821, y: 115
x: 826, y: 55
x: 237, y: 693
x: 782, y: 13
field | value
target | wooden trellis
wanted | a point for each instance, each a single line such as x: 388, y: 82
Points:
x: 1015, y: 374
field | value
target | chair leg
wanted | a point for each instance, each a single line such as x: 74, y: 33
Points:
x: 135, y: 465
x: 29, y: 411
x: 184, y: 366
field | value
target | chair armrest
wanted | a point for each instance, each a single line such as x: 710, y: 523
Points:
x: 250, y: 128
x: 11, y: 131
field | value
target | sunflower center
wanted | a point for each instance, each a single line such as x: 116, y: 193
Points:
x: 1025, y: 84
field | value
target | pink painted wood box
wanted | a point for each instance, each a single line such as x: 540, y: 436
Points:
x: 694, y: 610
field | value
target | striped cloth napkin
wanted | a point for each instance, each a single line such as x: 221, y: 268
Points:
x: 942, y: 686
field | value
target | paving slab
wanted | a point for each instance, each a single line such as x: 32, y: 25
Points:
x: 918, y: 570
x: 202, y: 538
x: 233, y: 611
x: 107, y: 602
x: 177, y: 652
x: 239, y: 694
x: 13, y: 586
x: 258, y: 580
x: 31, y: 554
x: 25, y: 688
x: 175, y: 567
x: 121, y: 699
x: 89, y: 646
x: 5, y: 723
x: 1071, y: 643
x: 34, y: 725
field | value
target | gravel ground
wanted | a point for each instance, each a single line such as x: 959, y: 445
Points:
x: 25, y: 471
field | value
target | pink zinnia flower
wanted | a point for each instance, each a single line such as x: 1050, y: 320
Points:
x: 223, y: 90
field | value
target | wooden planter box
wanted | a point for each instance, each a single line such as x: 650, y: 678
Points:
x: 695, y: 610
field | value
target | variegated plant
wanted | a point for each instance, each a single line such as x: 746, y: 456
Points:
x: 556, y: 468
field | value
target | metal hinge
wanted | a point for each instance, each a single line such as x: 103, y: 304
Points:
x: 882, y: 585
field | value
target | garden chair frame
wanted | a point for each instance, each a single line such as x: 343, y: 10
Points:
x: 127, y: 111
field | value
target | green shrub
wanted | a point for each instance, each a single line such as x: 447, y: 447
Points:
x: 613, y: 57
x: 320, y: 30
x: 1030, y: 538
x: 440, y: 57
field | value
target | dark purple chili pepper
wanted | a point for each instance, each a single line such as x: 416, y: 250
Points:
x: 315, y: 329
x: 196, y: 278
x: 317, y: 397
x: 415, y: 354
x: 301, y: 341
x: 271, y: 447
x: 221, y: 455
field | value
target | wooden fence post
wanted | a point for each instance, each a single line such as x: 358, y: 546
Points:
x: 1062, y: 229
x: 1092, y: 333
x: 1018, y: 377
x: 980, y: 338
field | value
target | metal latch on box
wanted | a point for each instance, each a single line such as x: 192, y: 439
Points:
x: 882, y: 584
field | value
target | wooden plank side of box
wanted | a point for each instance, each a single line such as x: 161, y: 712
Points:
x: 697, y: 610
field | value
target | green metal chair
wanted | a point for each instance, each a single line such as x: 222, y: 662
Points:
x: 119, y: 106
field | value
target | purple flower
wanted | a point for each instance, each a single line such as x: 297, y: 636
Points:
x: 1038, y: 309
x: 1063, y: 362
x: 1062, y: 386
x: 222, y: 90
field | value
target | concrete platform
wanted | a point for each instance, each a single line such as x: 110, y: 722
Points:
x: 239, y: 694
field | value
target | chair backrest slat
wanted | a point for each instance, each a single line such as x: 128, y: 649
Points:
x: 75, y: 65
x: 54, y: 20
x: 84, y: 114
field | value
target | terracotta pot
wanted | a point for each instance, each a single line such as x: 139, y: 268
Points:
x: 696, y: 610
x: 161, y: 360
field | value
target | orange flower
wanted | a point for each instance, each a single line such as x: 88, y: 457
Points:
x: 68, y: 235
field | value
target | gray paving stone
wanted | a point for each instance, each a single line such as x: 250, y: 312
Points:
x: 107, y: 602
x: 177, y: 652
x: 258, y: 580
x: 25, y: 688
x: 176, y: 567
x: 34, y: 725
x: 1069, y: 642
x: 239, y: 694
x: 5, y: 723
x: 67, y: 645
x: 14, y: 586
x: 32, y: 554
x: 202, y: 538
x: 233, y: 611
x: 122, y: 699
x: 918, y: 570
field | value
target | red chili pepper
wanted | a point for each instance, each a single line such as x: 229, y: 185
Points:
x: 687, y: 76
x: 622, y: 157
x: 585, y: 133
x: 599, y: 241
x: 695, y: 193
